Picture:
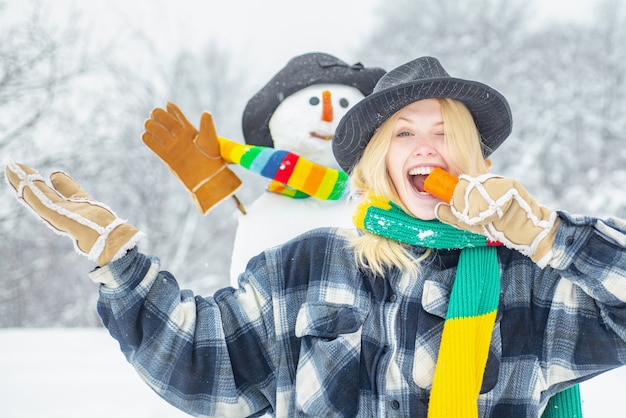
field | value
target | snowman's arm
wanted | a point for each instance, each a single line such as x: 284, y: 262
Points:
x: 287, y: 168
x: 192, y: 155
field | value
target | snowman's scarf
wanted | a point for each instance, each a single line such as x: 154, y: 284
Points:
x: 471, y: 312
x: 291, y: 175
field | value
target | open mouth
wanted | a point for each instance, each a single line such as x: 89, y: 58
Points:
x: 417, y: 177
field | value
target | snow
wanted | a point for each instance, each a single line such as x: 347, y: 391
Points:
x: 71, y: 373
x: 77, y: 373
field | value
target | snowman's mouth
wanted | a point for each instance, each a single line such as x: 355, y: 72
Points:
x: 325, y: 137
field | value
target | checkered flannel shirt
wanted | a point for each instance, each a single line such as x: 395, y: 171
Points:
x: 308, y: 334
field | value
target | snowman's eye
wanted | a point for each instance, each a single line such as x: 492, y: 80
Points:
x: 314, y: 101
x: 343, y: 102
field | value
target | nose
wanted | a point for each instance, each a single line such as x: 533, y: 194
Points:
x: 424, y: 147
x: 327, y: 106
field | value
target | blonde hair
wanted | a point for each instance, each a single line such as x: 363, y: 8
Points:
x: 370, y: 174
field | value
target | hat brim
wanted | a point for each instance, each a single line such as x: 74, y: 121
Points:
x: 490, y: 110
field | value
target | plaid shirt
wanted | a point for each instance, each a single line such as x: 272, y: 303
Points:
x: 307, y: 334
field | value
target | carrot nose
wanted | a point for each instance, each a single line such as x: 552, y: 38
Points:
x: 327, y: 107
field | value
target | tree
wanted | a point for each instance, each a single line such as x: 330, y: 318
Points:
x: 470, y: 38
x: 571, y: 103
x: 564, y: 82
x: 38, y: 63
x: 73, y: 105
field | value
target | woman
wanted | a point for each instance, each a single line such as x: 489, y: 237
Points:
x: 404, y: 316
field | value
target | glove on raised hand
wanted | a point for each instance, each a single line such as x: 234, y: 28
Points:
x: 501, y: 209
x: 194, y: 157
x: 68, y: 210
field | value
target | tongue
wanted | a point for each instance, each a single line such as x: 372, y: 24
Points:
x: 418, y: 182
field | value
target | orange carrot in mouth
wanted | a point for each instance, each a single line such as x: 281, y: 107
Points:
x: 327, y: 106
x: 441, y: 184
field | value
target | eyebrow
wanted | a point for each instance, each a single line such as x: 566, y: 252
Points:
x: 405, y: 119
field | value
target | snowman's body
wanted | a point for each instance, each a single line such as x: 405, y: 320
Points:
x: 297, y: 125
x: 274, y: 219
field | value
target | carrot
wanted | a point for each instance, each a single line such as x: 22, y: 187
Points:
x: 441, y: 184
x: 327, y: 106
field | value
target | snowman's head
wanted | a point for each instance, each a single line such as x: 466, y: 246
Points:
x: 300, y: 73
x: 305, y: 122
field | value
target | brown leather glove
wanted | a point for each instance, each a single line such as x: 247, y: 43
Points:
x: 194, y: 157
x: 66, y: 208
x: 501, y: 209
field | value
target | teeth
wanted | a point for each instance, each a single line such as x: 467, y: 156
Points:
x: 421, y: 171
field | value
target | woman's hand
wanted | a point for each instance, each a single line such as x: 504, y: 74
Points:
x: 66, y: 208
x: 501, y: 209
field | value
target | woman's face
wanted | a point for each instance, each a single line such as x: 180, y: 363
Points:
x: 416, y: 148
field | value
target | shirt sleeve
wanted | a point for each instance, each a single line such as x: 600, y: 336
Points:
x: 592, y: 253
x: 585, y: 332
x: 181, y: 344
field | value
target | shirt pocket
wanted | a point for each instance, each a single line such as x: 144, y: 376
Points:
x: 327, y: 378
x: 435, y: 298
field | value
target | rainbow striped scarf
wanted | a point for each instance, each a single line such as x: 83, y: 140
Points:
x: 471, y: 312
x: 291, y: 175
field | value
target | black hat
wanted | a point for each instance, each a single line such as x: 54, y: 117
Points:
x: 301, y: 72
x: 422, y: 78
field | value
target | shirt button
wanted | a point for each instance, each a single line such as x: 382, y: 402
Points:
x: 569, y: 240
x: 393, y: 298
x: 395, y: 404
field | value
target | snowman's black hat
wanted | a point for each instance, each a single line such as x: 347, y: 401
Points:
x: 301, y: 72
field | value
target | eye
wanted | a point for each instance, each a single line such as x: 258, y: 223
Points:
x: 343, y: 102
x: 404, y: 133
x: 314, y: 101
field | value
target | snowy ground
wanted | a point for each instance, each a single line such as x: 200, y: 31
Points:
x: 77, y: 373
x: 71, y: 373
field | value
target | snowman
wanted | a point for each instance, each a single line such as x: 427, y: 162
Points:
x: 298, y: 111
x: 288, y: 127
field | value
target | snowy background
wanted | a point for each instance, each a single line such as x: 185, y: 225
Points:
x: 79, y: 79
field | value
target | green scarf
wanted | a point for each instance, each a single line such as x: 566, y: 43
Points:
x: 471, y: 312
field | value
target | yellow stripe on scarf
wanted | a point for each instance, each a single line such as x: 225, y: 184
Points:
x: 472, y: 336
